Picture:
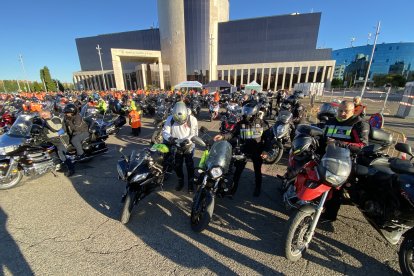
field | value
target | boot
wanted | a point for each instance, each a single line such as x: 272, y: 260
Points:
x: 70, y: 168
x: 180, y: 184
x: 191, y: 186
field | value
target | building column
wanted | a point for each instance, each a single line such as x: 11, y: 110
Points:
x: 316, y: 73
x: 144, y: 75
x: 276, y: 79
x: 329, y: 76
x: 161, y: 69
x: 299, y: 74
x: 284, y: 78
x: 261, y: 81
x: 323, y: 74
x: 291, y: 78
x: 269, y: 76
x: 228, y: 76
x: 119, y: 79
x: 307, y: 74
x: 248, y: 76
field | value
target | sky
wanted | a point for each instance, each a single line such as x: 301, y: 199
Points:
x: 44, y: 31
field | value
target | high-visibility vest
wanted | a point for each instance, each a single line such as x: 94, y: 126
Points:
x: 135, y: 119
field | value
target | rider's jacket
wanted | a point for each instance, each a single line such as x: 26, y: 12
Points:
x: 352, y: 132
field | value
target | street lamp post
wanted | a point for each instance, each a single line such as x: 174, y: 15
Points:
x: 370, y: 60
x: 24, y: 71
x: 211, y: 57
x: 100, y: 59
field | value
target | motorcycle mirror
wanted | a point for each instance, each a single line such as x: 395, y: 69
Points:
x: 405, y: 148
x: 198, y: 141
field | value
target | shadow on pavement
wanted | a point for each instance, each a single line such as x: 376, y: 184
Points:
x: 11, y: 258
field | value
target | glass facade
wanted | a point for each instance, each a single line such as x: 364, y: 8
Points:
x: 88, y: 55
x: 196, y: 18
x: 270, y: 39
x: 397, y: 58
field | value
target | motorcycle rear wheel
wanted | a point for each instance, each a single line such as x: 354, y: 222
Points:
x: 15, y: 181
x: 202, y: 210
x: 128, y: 206
x: 298, y: 227
x: 275, y: 157
x: 406, y: 256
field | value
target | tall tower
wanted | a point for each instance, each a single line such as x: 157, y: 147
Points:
x: 172, y: 37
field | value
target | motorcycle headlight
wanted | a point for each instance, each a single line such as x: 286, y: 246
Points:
x: 335, y: 180
x: 139, y: 177
x: 216, y: 172
x: 281, y: 130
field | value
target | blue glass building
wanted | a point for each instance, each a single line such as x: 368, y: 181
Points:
x: 389, y: 58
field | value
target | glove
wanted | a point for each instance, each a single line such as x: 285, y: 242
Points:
x: 172, y: 140
x: 184, y: 143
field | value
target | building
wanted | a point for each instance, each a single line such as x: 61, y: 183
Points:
x: 203, y: 45
x: 389, y: 58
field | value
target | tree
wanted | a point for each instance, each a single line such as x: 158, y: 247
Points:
x: 47, y: 79
x: 337, y: 82
x: 37, y: 86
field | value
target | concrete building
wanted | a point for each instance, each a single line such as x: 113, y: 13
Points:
x: 203, y: 45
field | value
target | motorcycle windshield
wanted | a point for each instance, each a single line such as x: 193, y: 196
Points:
x: 335, y: 165
x: 284, y: 116
x: 219, y: 155
x: 22, y: 126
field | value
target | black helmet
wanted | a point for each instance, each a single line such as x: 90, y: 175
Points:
x: 70, y: 108
x: 292, y: 99
x: 327, y: 111
x: 301, y: 146
x: 250, y: 110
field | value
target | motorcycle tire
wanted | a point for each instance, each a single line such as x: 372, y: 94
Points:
x: 406, y: 256
x: 202, y: 210
x: 298, y: 226
x: 157, y: 137
x: 129, y: 203
x: 13, y: 182
x: 275, y: 157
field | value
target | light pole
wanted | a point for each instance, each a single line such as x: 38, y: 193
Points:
x: 211, y: 57
x: 18, y: 85
x: 370, y: 60
x: 24, y: 71
x: 100, y: 59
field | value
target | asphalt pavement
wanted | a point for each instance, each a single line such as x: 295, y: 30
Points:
x: 70, y: 226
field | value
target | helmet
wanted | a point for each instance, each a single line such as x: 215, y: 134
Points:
x: 180, y: 113
x: 327, y: 111
x: 70, y: 108
x: 292, y: 99
x: 301, y: 145
x: 250, y: 110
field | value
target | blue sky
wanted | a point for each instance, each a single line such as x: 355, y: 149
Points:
x: 44, y: 31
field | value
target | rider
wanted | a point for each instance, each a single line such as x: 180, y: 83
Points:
x: 254, y: 143
x: 346, y: 130
x: 359, y: 107
x: 182, y: 125
x: 76, y: 127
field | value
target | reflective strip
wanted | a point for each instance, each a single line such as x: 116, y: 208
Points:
x: 343, y: 132
x: 251, y: 133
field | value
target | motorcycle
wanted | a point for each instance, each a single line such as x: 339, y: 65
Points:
x: 282, y: 132
x: 230, y: 118
x: 213, y: 180
x: 144, y: 172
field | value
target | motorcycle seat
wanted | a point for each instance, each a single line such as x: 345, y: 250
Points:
x: 401, y: 166
x: 378, y: 135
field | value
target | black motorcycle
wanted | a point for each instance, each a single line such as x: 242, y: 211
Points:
x: 214, y: 173
x: 146, y: 171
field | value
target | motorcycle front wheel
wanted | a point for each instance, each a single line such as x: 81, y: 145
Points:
x: 13, y: 182
x: 298, y: 231
x: 129, y: 203
x: 406, y: 256
x: 274, y: 156
x: 202, y: 210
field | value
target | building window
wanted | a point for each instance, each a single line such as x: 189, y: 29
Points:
x: 390, y: 48
x: 387, y: 60
x: 398, y: 47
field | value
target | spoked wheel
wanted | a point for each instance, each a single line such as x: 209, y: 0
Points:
x: 202, y: 210
x: 274, y: 155
x: 129, y: 203
x: 406, y: 256
x: 298, y: 231
x: 12, y: 182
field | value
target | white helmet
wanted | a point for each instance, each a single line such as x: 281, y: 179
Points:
x: 180, y: 113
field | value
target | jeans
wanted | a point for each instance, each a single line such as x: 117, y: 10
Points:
x: 77, y: 142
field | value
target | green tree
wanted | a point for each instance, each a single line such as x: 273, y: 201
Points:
x: 45, y: 77
x: 337, y: 82
x: 37, y: 86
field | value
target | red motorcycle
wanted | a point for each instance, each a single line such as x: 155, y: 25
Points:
x: 314, y: 185
x: 6, y: 121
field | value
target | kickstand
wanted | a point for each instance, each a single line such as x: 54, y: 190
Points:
x: 53, y: 173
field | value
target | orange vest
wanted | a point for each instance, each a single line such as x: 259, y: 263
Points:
x: 216, y: 97
x: 135, y: 119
